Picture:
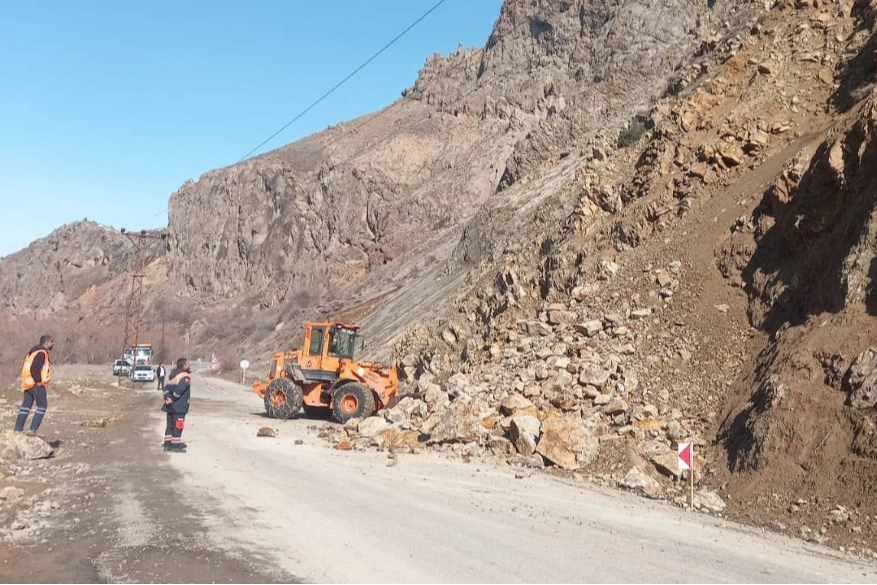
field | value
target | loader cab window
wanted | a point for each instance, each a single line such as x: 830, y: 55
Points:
x: 273, y: 371
x: 316, y: 347
x: 342, y: 342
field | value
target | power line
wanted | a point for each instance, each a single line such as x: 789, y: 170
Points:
x: 369, y: 118
x: 332, y: 90
x: 346, y: 79
x: 159, y: 214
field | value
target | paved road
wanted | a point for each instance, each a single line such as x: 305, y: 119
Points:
x: 327, y: 515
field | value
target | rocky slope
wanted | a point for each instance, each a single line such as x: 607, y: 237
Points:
x: 329, y: 210
x: 616, y: 227
x: 713, y: 285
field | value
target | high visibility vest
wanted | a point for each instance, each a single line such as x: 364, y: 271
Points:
x: 27, y: 381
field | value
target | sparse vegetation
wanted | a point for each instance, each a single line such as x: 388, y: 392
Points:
x: 238, y: 325
x: 79, y: 341
x: 631, y: 135
x: 175, y: 311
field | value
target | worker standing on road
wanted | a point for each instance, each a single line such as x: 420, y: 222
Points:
x: 176, y: 405
x: 159, y: 375
x: 35, y: 376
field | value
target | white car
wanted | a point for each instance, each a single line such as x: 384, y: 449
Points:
x: 122, y: 368
x: 143, y: 373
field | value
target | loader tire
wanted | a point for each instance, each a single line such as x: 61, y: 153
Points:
x: 352, y: 400
x: 283, y: 398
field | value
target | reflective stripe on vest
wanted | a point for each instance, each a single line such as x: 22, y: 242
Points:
x: 27, y: 381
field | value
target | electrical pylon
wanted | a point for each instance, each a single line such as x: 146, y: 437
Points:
x: 135, y: 297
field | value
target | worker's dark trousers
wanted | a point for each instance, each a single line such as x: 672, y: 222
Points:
x: 174, y: 430
x: 38, y: 394
x: 161, y: 383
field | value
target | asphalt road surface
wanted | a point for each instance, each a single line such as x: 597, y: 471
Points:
x: 304, y: 508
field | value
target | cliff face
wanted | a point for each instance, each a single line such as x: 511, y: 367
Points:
x: 817, y: 231
x: 273, y: 224
x: 590, y: 42
x: 335, y: 207
x: 713, y: 281
x: 810, y: 278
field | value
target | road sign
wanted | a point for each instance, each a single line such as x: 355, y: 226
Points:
x: 244, y: 365
x: 686, y: 455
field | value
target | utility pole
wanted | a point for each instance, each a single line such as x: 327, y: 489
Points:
x: 135, y: 297
x: 161, y: 350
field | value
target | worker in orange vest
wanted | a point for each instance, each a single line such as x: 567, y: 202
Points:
x: 36, y: 373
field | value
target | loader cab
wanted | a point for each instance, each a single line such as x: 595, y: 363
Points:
x: 342, y: 342
x: 316, y: 335
x: 326, y: 344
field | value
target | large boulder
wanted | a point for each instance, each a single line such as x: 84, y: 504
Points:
x: 20, y: 446
x: 566, y: 443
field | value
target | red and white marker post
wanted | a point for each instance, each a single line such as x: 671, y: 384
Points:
x: 685, y: 459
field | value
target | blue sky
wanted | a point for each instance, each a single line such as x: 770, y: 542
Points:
x: 107, y: 107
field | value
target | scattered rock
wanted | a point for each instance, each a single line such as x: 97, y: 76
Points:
x: 11, y: 493
x: 710, y: 500
x: 566, y: 443
x: 20, y: 446
x: 637, y: 480
x: 266, y: 432
x: 863, y: 380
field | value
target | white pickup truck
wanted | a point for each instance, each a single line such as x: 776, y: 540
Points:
x: 122, y: 367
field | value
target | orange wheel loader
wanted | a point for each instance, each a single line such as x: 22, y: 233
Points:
x: 323, y: 375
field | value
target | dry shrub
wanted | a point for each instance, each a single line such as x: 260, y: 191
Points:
x: 302, y: 299
x: 236, y: 326
x: 632, y: 133
x: 227, y: 332
x: 228, y: 357
x: 231, y: 333
x: 77, y: 341
x: 173, y: 348
x: 170, y: 310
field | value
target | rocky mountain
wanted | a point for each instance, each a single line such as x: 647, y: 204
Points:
x: 57, y: 273
x: 331, y: 209
x: 616, y: 227
x: 402, y: 184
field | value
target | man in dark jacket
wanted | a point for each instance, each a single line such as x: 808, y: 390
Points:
x: 176, y: 405
x: 160, y: 374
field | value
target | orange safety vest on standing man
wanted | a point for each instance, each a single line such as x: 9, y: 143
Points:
x: 27, y: 381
